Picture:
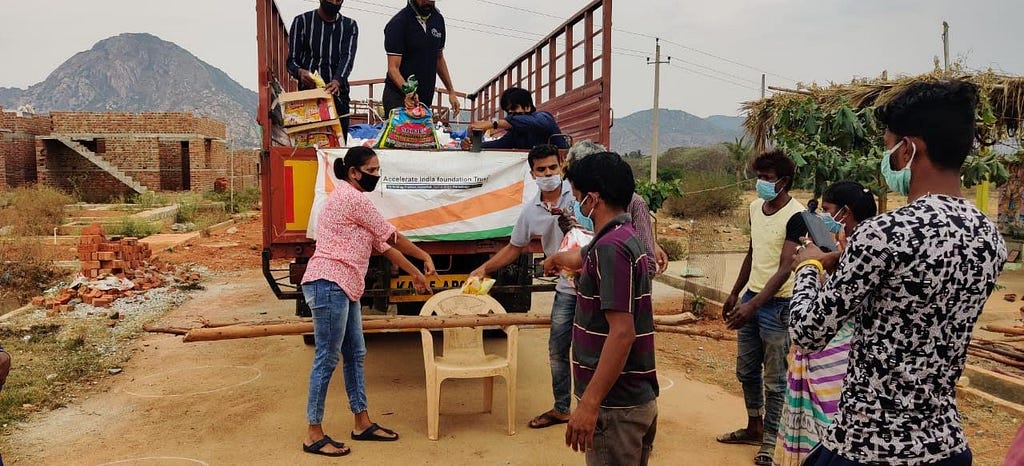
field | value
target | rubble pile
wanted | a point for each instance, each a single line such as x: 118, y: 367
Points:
x: 113, y: 268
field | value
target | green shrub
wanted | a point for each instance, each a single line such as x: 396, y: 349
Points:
x: 673, y: 248
x: 26, y: 269
x: 34, y: 210
x: 244, y: 200
x: 704, y: 194
x: 149, y: 200
x: 188, y: 209
x: 137, y: 228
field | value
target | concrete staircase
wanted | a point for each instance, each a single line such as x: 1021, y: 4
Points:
x: 102, y: 163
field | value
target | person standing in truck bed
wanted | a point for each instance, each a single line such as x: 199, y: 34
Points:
x: 324, y: 41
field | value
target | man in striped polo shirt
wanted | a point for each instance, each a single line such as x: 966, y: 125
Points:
x: 323, y: 40
x: 613, y: 332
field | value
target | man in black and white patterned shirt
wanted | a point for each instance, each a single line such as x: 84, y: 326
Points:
x: 914, y: 282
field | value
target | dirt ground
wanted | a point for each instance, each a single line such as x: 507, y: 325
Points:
x: 243, y: 401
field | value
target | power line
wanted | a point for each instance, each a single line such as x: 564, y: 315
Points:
x: 516, y: 8
x: 702, y: 52
x: 725, y: 80
x: 640, y: 34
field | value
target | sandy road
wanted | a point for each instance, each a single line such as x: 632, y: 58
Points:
x: 243, y: 402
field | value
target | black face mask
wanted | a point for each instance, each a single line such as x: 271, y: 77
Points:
x: 368, y: 182
x: 329, y: 8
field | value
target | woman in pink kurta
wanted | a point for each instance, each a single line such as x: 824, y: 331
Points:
x: 350, y: 229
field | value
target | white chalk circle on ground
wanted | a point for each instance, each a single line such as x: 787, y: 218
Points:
x: 189, y: 381
x: 662, y: 385
x: 159, y: 460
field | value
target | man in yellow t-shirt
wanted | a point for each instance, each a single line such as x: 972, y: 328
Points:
x: 762, y: 318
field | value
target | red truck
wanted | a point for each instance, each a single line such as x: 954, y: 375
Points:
x: 569, y: 73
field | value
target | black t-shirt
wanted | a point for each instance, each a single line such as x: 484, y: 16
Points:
x: 419, y: 45
x: 796, y: 228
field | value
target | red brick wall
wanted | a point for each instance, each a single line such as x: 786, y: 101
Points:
x: 62, y: 168
x: 17, y: 147
x: 246, y: 168
x: 124, y: 122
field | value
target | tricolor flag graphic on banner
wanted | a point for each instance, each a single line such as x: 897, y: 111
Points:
x: 435, y: 195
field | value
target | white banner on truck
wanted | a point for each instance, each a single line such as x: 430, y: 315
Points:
x: 440, y: 195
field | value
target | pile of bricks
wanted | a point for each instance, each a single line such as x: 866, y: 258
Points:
x: 117, y: 257
x: 123, y: 258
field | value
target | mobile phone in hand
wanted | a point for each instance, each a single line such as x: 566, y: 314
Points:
x: 818, y: 232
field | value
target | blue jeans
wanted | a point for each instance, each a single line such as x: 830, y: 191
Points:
x: 762, y: 347
x: 563, y: 311
x: 338, y: 329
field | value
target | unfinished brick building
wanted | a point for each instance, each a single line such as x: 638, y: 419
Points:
x: 18, y: 147
x: 99, y: 156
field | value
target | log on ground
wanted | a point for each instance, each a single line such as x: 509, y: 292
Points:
x: 1004, y: 329
x: 394, y: 323
x: 695, y: 332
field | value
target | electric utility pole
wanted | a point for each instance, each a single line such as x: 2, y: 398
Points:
x: 654, y: 125
x: 945, y: 45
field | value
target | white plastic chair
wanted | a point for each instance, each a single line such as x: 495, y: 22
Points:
x: 463, y: 354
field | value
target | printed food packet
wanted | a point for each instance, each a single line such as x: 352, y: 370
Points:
x: 318, y: 80
x: 575, y: 238
x: 477, y: 286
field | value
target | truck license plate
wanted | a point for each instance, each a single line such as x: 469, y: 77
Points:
x: 439, y: 283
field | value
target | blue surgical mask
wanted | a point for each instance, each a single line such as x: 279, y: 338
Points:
x: 549, y: 183
x: 766, y: 190
x: 833, y: 225
x: 584, y: 220
x: 898, y: 181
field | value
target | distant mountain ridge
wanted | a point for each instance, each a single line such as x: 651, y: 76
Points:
x: 138, y: 72
x: 676, y: 128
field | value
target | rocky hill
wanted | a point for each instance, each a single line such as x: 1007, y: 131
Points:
x: 676, y: 129
x: 143, y: 73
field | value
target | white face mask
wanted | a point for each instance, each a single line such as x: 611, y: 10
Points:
x: 549, y: 183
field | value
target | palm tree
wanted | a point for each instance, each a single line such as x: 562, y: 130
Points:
x: 739, y: 153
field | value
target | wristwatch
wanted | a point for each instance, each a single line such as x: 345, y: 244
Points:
x: 494, y: 124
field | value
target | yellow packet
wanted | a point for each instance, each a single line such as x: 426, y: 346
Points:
x: 318, y: 79
x: 475, y: 285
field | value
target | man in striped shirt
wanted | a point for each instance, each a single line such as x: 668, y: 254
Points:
x: 325, y: 41
x: 613, y: 331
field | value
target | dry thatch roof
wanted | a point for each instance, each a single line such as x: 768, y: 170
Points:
x: 1005, y: 95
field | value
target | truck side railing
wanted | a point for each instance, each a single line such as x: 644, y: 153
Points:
x: 569, y: 74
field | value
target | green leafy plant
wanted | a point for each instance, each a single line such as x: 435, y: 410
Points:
x: 674, y: 249
x: 655, y: 194
x: 134, y: 227
x: 740, y: 152
x: 188, y: 209
x: 705, y: 193
x: 149, y: 200
x: 698, y: 304
x: 243, y: 200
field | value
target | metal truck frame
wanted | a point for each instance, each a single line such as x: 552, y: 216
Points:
x: 569, y: 73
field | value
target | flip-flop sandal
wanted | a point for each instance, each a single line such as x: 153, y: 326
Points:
x: 545, y: 420
x: 763, y: 459
x: 317, y: 447
x: 740, y: 436
x: 369, y: 434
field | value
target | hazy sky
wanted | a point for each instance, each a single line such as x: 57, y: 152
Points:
x: 805, y: 40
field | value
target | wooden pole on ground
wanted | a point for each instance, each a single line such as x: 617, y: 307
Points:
x: 1004, y: 329
x: 396, y: 323
x: 695, y: 332
x: 995, y: 357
